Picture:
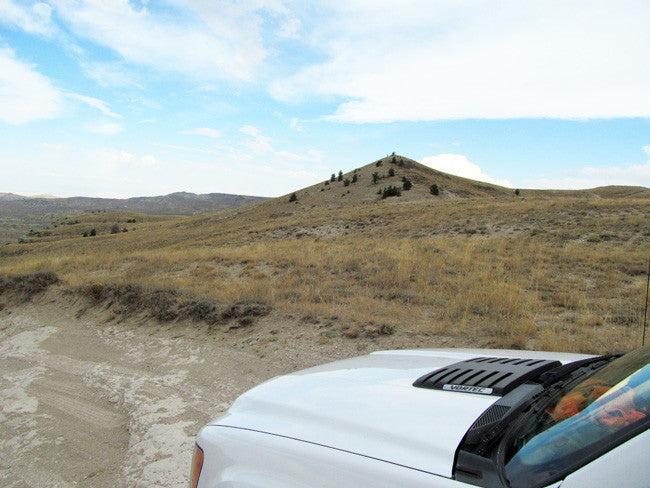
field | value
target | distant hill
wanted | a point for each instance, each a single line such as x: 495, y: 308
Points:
x: 384, y: 181
x: 20, y: 214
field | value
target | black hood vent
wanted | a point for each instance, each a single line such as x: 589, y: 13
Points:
x: 486, y: 375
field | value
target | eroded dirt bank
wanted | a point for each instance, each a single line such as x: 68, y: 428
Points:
x: 86, y: 401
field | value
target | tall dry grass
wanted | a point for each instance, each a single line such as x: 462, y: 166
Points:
x: 562, y: 274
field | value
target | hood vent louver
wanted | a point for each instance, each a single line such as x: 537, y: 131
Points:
x: 486, y: 375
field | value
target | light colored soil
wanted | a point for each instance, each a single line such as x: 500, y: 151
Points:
x: 89, y: 402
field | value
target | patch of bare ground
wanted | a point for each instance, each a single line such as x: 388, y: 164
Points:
x: 90, y: 401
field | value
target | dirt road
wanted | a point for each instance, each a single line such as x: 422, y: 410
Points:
x: 86, y: 401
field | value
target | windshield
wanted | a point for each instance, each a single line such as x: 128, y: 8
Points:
x: 576, y: 424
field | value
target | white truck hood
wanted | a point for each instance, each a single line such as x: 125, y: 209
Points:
x: 368, y: 406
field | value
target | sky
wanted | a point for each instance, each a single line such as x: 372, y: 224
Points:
x: 122, y: 98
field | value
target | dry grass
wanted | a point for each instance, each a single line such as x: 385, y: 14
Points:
x: 562, y: 273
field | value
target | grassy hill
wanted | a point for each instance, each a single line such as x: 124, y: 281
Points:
x: 365, y: 184
x: 475, y: 264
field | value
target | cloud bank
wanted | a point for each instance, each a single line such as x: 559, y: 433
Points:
x: 459, y: 165
x: 440, y: 60
x: 25, y: 94
x: 202, y: 40
x: 591, y: 177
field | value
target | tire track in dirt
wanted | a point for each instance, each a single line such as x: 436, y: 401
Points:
x: 87, y: 402
x: 53, y: 427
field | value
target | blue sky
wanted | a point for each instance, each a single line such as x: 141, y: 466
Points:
x: 121, y: 98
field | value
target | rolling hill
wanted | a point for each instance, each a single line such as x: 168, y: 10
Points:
x: 20, y: 214
x: 475, y: 264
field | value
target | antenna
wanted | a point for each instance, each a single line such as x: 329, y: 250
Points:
x: 645, y: 311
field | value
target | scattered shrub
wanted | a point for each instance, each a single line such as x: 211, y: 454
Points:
x: 346, y: 182
x: 94, y: 291
x: 161, y: 304
x: 26, y: 286
x: 391, y: 191
x: 244, y: 309
x: 115, y: 229
x: 92, y: 232
x: 369, y: 330
x: 352, y: 332
x: 293, y: 197
x: 355, y: 178
x: 375, y: 178
x: 434, y: 190
x: 378, y: 163
x: 333, y: 178
x: 199, y: 309
x: 517, y: 192
x: 340, y: 178
x: 406, y: 184
x: 391, y: 172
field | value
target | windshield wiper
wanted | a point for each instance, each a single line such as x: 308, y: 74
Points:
x: 559, y: 377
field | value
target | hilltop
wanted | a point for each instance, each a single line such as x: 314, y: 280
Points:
x: 367, y: 183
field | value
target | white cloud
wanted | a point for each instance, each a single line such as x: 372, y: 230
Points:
x: 109, y: 73
x: 250, y: 130
x: 32, y: 17
x: 312, y: 156
x: 592, y: 177
x: 459, y: 165
x: 110, y: 160
x: 95, y: 103
x: 203, y: 40
x: 54, y: 148
x: 25, y: 94
x: 105, y: 128
x: 633, y: 175
x: 434, y: 59
x: 148, y: 160
x: 303, y: 175
x: 294, y: 123
x: 261, y: 145
x: 290, y: 29
x: 203, y: 131
x: 187, y: 148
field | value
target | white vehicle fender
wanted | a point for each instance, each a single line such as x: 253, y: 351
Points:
x: 240, y: 458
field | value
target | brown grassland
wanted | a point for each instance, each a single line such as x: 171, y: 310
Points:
x: 477, y: 264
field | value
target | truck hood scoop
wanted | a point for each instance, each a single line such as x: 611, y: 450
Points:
x: 486, y: 375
